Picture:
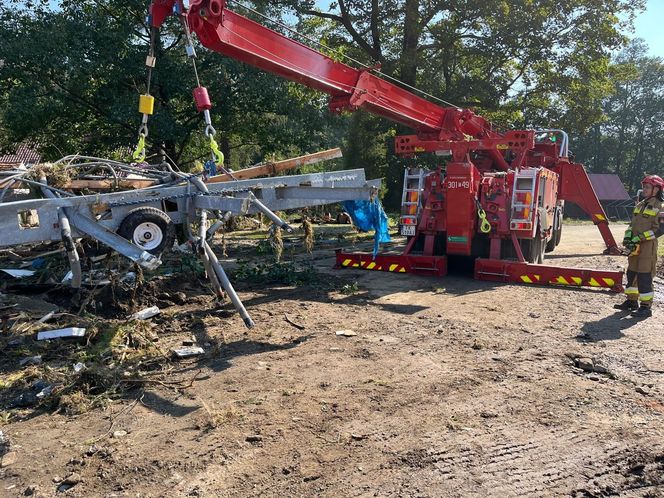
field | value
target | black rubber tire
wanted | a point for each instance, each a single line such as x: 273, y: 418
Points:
x: 533, y: 249
x: 149, y: 215
x: 527, y: 250
x: 559, y: 233
x: 556, y: 231
x: 539, y: 249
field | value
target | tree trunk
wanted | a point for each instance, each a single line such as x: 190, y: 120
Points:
x: 170, y: 148
x: 225, y: 147
x: 637, y: 163
x: 411, y: 38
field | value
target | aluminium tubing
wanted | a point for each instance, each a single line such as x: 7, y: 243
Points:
x: 209, y: 268
x: 113, y: 240
x: 70, y: 247
x: 68, y: 241
x: 101, y: 233
x: 226, y: 284
x: 267, y: 212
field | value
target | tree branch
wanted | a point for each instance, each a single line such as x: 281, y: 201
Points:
x: 345, y: 21
x: 324, y: 15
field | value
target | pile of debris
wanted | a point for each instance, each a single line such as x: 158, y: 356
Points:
x: 142, y: 224
x: 76, y: 173
x: 59, y: 355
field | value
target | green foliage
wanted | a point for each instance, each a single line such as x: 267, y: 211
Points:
x: 519, y: 63
x: 286, y: 273
x: 630, y: 139
x: 71, y: 75
x: 190, y: 264
x: 350, y: 289
x: 264, y: 247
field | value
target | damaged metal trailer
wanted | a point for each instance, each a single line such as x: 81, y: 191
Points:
x: 140, y: 224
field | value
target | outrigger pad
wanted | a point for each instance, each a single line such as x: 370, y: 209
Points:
x: 493, y: 270
x: 396, y: 263
x: 500, y: 270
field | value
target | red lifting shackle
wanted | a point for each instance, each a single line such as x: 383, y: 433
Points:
x: 202, y: 99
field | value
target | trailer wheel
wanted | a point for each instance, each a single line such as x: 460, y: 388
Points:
x: 149, y: 228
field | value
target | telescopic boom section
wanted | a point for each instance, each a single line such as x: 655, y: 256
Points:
x: 231, y: 34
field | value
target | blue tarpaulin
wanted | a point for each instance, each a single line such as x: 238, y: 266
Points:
x: 369, y: 215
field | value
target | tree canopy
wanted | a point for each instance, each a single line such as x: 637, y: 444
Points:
x: 70, y: 78
x: 520, y: 62
x: 629, y: 140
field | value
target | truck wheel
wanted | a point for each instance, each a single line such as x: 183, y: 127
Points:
x: 149, y: 228
x: 533, y: 249
x: 559, y: 232
x: 539, y: 248
x: 556, y: 231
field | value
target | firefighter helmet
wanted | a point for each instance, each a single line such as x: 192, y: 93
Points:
x: 653, y: 180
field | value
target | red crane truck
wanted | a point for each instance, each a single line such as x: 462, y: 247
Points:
x: 496, y: 196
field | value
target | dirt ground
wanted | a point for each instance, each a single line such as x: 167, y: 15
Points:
x: 450, y: 387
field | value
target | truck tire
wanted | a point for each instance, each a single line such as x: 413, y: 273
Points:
x: 149, y: 228
x: 533, y: 249
x: 539, y: 250
x: 556, y: 230
x: 559, y: 232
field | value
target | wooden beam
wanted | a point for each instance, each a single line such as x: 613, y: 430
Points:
x: 270, y: 169
x: 110, y: 184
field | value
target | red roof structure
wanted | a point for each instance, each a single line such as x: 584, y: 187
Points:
x: 25, y: 154
x: 608, y: 187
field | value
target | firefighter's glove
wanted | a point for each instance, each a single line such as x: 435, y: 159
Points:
x: 630, y: 245
x: 627, y: 238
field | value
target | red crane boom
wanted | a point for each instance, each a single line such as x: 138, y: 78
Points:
x: 499, y: 186
x: 222, y: 30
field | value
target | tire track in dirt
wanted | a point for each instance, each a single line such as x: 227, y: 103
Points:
x: 557, y: 462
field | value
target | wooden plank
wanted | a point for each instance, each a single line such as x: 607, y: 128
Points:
x: 269, y: 169
x: 109, y: 184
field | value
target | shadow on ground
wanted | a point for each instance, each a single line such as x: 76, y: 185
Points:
x: 608, y: 328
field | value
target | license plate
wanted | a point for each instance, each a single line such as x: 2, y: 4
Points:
x: 407, y: 230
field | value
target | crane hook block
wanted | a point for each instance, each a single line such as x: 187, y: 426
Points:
x: 146, y: 104
x: 202, y: 99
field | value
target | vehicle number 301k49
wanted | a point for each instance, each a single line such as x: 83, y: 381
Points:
x: 465, y: 184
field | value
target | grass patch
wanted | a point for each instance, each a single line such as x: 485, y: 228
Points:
x: 350, y: 289
x: 287, y: 273
x: 215, y: 417
x: 576, y: 221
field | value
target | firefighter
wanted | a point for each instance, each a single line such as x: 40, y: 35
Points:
x: 641, y: 242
